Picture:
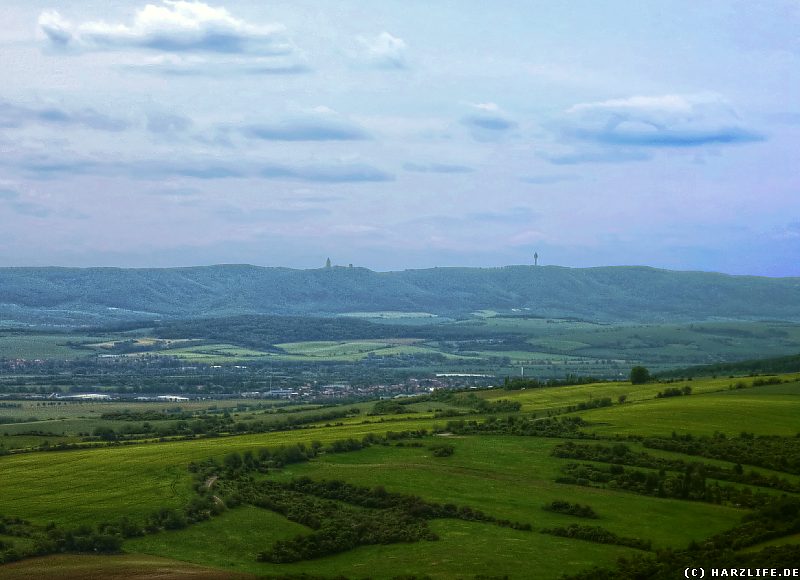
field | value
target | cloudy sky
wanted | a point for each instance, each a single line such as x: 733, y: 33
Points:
x: 399, y: 134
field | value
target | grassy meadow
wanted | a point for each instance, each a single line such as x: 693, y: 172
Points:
x: 766, y: 410
x: 508, y: 477
x: 124, y: 567
x: 46, y: 346
x: 463, y: 550
x: 488, y: 341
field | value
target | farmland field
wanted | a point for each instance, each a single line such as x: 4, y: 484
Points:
x: 505, y: 476
x: 463, y: 550
x: 113, y: 568
x: 44, y: 346
x: 497, y: 452
x: 489, y: 342
x: 766, y: 410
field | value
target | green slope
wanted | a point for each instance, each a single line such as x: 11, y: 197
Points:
x: 781, y: 364
x: 97, y: 295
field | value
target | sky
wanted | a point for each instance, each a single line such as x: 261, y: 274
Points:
x: 399, y: 134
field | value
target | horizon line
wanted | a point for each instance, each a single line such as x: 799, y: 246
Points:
x: 355, y: 267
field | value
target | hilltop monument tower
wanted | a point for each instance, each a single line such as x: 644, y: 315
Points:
x: 536, y: 258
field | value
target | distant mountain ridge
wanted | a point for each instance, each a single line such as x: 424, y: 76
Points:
x: 81, y: 296
x: 781, y: 364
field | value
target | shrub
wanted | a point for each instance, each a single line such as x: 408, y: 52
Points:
x: 442, y: 449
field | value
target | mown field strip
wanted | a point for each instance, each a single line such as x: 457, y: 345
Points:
x: 101, y: 484
x: 728, y: 412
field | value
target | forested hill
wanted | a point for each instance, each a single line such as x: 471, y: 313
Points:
x: 100, y: 295
x: 781, y: 364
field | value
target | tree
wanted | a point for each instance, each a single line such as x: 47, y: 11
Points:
x: 639, y: 375
x: 105, y: 433
x: 328, y: 263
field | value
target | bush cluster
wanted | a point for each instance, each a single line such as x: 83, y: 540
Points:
x: 442, y: 449
x: 522, y: 425
x: 518, y: 383
x: 571, y: 509
x: 674, y: 392
x: 778, y: 519
x: 345, y: 516
x: 267, y: 458
x: 690, y: 485
x: 621, y: 454
x: 598, y: 535
x: 208, y: 425
x: 771, y: 452
x: 590, y: 404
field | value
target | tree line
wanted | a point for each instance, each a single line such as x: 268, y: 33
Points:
x: 768, y: 451
x: 622, y: 454
x: 691, y: 484
x: 780, y: 518
x: 524, y: 425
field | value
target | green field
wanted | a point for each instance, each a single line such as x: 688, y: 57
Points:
x: 354, y: 350
x: 512, y: 477
x: 508, y: 477
x: 29, y: 424
x: 210, y: 353
x: 767, y: 410
x: 125, y: 567
x: 391, y: 315
x: 490, y: 342
x: 100, y: 484
x: 313, y: 351
x: 463, y: 550
x: 45, y: 346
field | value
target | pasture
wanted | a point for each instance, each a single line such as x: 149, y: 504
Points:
x: 505, y: 476
x: 550, y: 347
x: 45, y: 346
x: 463, y: 550
x: 124, y: 567
x: 766, y: 410
x: 97, y: 485
x: 29, y: 424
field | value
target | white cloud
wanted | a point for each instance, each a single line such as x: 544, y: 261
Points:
x: 677, y: 104
x: 490, y: 107
x: 657, y: 121
x: 55, y: 28
x: 14, y: 115
x: 318, y: 124
x: 383, y: 51
x: 174, y: 26
x: 488, y: 121
x: 219, y: 65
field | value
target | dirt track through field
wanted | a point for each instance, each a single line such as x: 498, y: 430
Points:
x: 127, y: 567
